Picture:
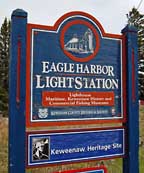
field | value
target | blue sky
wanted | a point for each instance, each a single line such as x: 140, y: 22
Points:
x: 111, y: 14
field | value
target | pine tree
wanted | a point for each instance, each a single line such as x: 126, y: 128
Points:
x: 4, y: 65
x: 137, y: 19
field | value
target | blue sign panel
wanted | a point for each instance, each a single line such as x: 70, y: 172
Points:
x: 48, y: 148
x: 74, y: 72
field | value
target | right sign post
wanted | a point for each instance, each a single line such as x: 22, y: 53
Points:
x: 131, y: 163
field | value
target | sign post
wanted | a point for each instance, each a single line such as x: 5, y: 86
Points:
x: 17, y: 92
x: 131, y: 164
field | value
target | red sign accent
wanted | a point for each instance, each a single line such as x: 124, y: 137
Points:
x: 18, y: 70
x: 77, y: 98
x: 124, y: 78
x: 133, y: 77
x: 78, y: 59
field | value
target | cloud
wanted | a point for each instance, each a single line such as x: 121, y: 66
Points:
x: 111, y: 14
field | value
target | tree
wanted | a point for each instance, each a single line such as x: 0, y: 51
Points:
x: 4, y: 65
x: 137, y: 19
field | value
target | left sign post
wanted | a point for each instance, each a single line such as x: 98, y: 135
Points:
x: 17, y: 92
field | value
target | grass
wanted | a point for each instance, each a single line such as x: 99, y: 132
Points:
x: 3, y: 145
x: 114, y: 166
x: 141, y: 159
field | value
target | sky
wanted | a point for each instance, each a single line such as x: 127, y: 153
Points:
x: 110, y: 13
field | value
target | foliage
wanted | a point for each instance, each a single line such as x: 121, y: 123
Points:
x: 137, y: 19
x: 4, y: 66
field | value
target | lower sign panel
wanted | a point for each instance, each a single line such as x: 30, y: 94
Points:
x: 72, y: 146
x: 99, y: 169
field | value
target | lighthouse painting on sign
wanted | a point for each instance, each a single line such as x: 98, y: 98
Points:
x: 81, y: 44
x: 79, y: 41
